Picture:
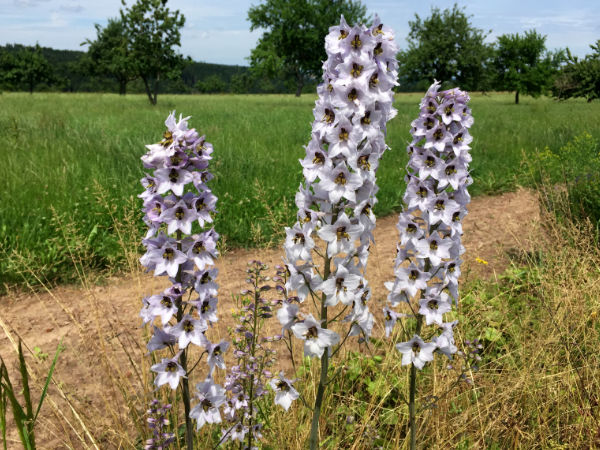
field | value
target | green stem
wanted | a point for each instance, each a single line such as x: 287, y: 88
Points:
x: 411, y: 401
x: 314, y: 429
x: 253, y: 353
x: 185, y: 387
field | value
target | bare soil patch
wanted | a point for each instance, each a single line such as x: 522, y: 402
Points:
x: 104, y: 320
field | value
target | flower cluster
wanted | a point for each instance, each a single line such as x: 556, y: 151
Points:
x: 177, y: 200
x: 428, y: 261
x: 245, y: 381
x: 335, y: 217
x: 158, y: 423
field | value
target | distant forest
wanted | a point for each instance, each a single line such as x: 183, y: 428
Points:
x: 70, y: 73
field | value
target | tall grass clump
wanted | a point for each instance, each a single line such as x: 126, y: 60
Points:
x: 57, y: 146
x: 568, y: 179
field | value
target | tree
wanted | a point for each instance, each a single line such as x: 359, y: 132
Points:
x: 110, y: 54
x: 523, y: 65
x: 153, y: 32
x: 292, y: 45
x: 26, y: 68
x: 579, y: 78
x: 446, y: 47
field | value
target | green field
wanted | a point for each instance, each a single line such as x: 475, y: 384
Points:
x: 61, y: 152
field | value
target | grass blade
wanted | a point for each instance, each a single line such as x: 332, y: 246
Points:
x: 48, y: 378
x: 25, y: 380
x: 3, y: 407
x: 18, y: 413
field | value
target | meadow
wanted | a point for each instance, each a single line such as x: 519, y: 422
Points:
x: 69, y: 209
x: 71, y: 166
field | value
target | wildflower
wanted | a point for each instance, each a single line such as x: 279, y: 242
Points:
x: 285, y: 393
x: 169, y: 371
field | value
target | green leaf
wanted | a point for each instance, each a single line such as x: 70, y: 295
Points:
x: 59, y: 349
x: 492, y: 335
x: 25, y: 381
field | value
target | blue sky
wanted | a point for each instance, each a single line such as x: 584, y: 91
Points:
x: 218, y: 32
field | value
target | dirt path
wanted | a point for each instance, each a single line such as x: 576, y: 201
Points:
x: 103, y: 322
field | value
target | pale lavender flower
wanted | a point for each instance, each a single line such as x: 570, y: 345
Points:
x: 284, y: 390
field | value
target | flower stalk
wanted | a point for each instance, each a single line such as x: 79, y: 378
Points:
x: 427, y: 266
x: 327, y: 248
x: 177, y: 202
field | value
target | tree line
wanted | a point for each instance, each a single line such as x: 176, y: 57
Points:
x: 137, y: 52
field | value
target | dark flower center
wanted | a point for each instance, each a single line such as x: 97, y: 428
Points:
x: 416, y: 347
x: 439, y: 205
x: 171, y: 366
x: 206, y: 404
x: 433, y: 305
x: 299, y: 238
x: 343, y: 134
x: 353, y: 94
x: 173, y: 175
x: 283, y: 386
x: 433, y: 245
x: 356, y: 70
x: 430, y: 161
x: 340, y: 179
x: 422, y: 192
x: 167, y: 138
x: 378, y: 50
x: 438, y: 134
x: 169, y: 254
x: 198, y: 248
x: 166, y: 302
x: 188, y: 326
x: 363, y: 162
x: 378, y: 30
x: 411, y: 228
x: 429, y: 123
x: 341, y: 233
x: 343, y: 34
x: 179, y: 213
x: 204, y: 307
x: 319, y: 158
x: 366, y: 120
x: 329, y: 116
x: 312, y: 333
x: 450, y: 170
x: 356, y: 43
x: 414, y: 274
x: 373, y: 81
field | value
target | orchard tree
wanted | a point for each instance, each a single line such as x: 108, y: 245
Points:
x: 26, y: 68
x: 446, y: 47
x: 292, y: 43
x: 153, y: 31
x: 580, y: 78
x: 110, y: 54
x: 523, y: 65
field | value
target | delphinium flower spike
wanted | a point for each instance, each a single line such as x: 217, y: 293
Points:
x: 327, y: 249
x: 427, y: 265
x: 178, y: 206
x: 245, y: 381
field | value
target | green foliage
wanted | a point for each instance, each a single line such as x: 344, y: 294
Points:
x: 212, y: 84
x: 56, y: 145
x: 153, y: 31
x: 24, y: 417
x: 110, y: 54
x: 523, y: 65
x: 292, y: 44
x: 27, y: 68
x: 580, y: 78
x: 576, y: 168
x: 446, y: 47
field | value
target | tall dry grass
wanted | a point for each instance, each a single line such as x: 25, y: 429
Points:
x: 536, y: 387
